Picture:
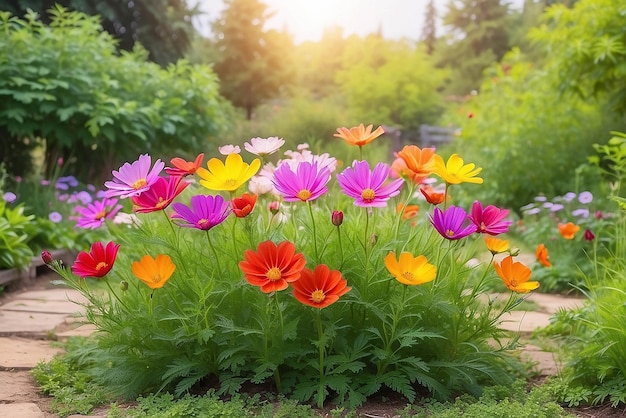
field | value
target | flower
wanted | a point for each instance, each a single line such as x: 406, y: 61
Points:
x: 419, y: 163
x: 46, y: 257
x: 541, y: 253
x: 273, y: 207
x: 588, y: 235
x: 450, y: 223
x: 432, y: 196
x: 585, y: 197
x: 159, y: 195
x: 97, y: 262
x: 205, y: 212
x: 407, y: 211
x: 229, y: 149
x: 264, y: 146
x: 366, y: 186
x: 490, y: 219
x: 95, y: 214
x: 515, y: 275
x: 184, y: 168
x: 227, y: 175
x: 319, y: 288
x: 455, y: 172
x: 272, y: 266
x: 359, y: 135
x: 306, y: 182
x: 243, y: 205
x: 9, y: 197
x: 154, y: 272
x: 581, y: 212
x: 409, y: 270
x: 496, y: 245
x: 133, y: 179
x: 568, y: 230
x: 337, y: 217
x: 55, y: 217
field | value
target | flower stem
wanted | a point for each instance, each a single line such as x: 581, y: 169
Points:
x: 314, y: 233
x: 321, y: 347
x: 217, y: 258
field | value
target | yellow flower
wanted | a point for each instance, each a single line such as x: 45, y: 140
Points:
x: 227, y: 176
x: 455, y: 171
x: 154, y: 272
x: 410, y: 270
x: 496, y: 245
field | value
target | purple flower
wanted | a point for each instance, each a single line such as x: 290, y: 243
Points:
x: 307, y: 182
x: 569, y: 196
x: 133, y: 179
x: 9, y: 197
x: 585, y: 197
x: 532, y: 211
x: 490, y: 219
x: 367, y: 187
x: 582, y: 212
x: 450, y: 224
x: 95, y: 214
x: 55, y: 217
x: 204, y: 213
x: 556, y: 207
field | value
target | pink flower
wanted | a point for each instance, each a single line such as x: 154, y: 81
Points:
x: 95, y: 214
x: 305, y: 183
x: 204, y: 213
x: 159, y: 195
x: 367, y: 186
x: 133, y: 179
x: 490, y: 219
x: 264, y: 146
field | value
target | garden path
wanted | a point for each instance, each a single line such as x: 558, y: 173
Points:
x: 33, y: 317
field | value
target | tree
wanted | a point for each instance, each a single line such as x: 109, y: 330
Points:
x: 429, y: 33
x: 163, y: 27
x: 253, y: 63
x: 478, y: 37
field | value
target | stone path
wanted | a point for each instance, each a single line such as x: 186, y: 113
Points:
x: 30, y: 320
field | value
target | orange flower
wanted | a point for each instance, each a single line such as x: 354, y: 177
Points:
x: 515, y: 275
x: 154, y: 272
x: 542, y: 255
x: 419, y: 162
x: 272, y: 266
x: 433, y: 197
x: 184, y: 168
x: 243, y: 205
x: 568, y: 230
x: 359, y: 135
x: 407, y: 211
x: 496, y: 245
x: 319, y: 288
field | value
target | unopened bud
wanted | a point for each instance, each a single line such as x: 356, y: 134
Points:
x: 589, y: 236
x: 514, y: 252
x: 373, y: 239
x: 46, y: 256
x: 337, y: 217
x: 273, y: 207
x: 124, y: 285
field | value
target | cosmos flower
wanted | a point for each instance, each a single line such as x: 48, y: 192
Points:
x: 184, y: 168
x: 454, y: 171
x: 541, y: 253
x: 319, y: 288
x: 489, y: 220
x: 203, y: 213
x: 431, y: 195
x: 410, y: 270
x: 359, y: 135
x: 133, y: 179
x: 97, y: 262
x: 367, y: 187
x: 515, y: 275
x: 419, y: 162
x: 96, y: 213
x: 496, y: 245
x: 159, y: 195
x: 243, y: 205
x: 154, y: 272
x: 264, y: 146
x: 451, y: 223
x: 228, y: 175
x: 271, y: 266
x: 229, y: 149
x: 307, y: 182
x: 568, y: 230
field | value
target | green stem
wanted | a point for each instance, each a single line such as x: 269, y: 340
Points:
x: 340, y: 247
x: 314, y: 232
x: 282, y: 336
x: 320, y: 335
x: 116, y: 297
x: 217, y: 258
x: 406, y: 202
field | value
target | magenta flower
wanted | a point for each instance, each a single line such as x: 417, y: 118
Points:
x: 159, y: 195
x: 490, y: 219
x: 96, y: 213
x: 133, y: 179
x: 204, y: 213
x: 451, y: 223
x: 306, y: 183
x: 367, y: 187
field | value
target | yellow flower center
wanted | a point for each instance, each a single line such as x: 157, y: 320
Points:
x: 100, y: 215
x: 162, y: 202
x: 368, y: 195
x: 318, y: 296
x: 304, y: 195
x: 450, y: 233
x: 482, y: 226
x: 230, y: 182
x: 139, y: 184
x: 101, y: 265
x: 408, y: 276
x: 157, y: 278
x: 273, y: 274
x: 202, y: 222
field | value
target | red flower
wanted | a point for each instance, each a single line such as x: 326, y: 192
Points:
x: 159, y: 195
x: 589, y: 236
x: 337, y: 217
x: 184, y: 168
x: 272, y: 267
x: 97, y: 262
x: 433, y: 197
x: 319, y: 288
x: 243, y: 205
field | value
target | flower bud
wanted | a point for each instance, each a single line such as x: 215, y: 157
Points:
x: 589, y: 236
x: 514, y: 252
x: 46, y: 256
x: 273, y: 207
x: 598, y: 214
x: 337, y: 217
x: 373, y: 239
x: 124, y: 285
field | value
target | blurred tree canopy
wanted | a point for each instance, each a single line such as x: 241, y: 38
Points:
x: 64, y: 87
x: 253, y: 63
x: 163, y: 27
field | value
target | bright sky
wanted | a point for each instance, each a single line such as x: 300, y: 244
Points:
x: 306, y: 19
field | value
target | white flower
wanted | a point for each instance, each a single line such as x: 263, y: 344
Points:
x: 264, y: 146
x: 229, y: 149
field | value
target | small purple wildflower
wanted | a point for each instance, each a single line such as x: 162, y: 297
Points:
x: 581, y: 212
x: 585, y: 197
x: 55, y: 217
x: 204, y: 213
x: 556, y: 207
x: 569, y: 196
x: 9, y: 197
x: 367, y: 187
x: 451, y: 224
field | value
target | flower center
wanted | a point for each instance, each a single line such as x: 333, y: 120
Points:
x: 450, y: 233
x: 318, y: 296
x: 139, y: 184
x: 100, y: 215
x: 304, y: 195
x: 408, y: 276
x: 230, y: 182
x: 202, y: 222
x: 273, y: 274
x: 483, y: 226
x: 368, y: 195
x: 101, y: 265
x: 162, y: 202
